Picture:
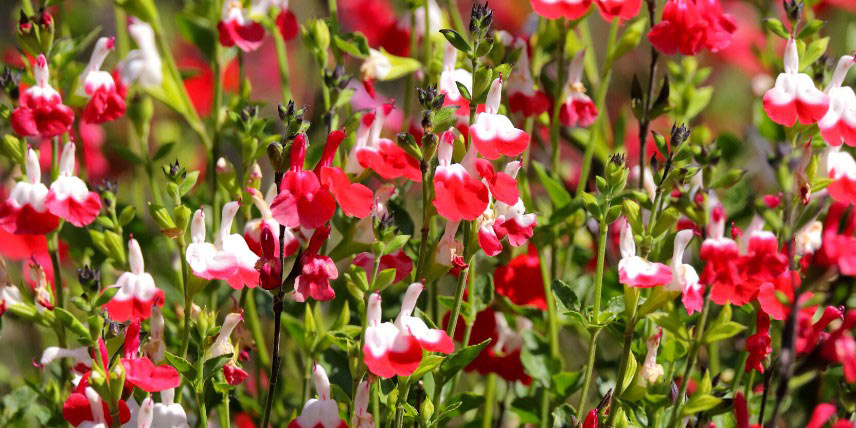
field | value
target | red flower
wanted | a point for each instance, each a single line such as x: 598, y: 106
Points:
x: 687, y: 26
x: 269, y: 265
x: 381, y: 155
x: 622, y: 9
x: 839, y: 123
x: 69, y: 198
x: 811, y: 333
x: 236, y: 30
x: 141, y: 371
x: 234, y: 374
x: 41, y: 112
x: 318, y: 270
x: 286, y: 22
x: 24, y: 211
x: 397, y: 260
x: 523, y: 98
x: 502, y: 355
x: 137, y: 291
x: 554, y: 9
x: 459, y: 195
x: 521, y: 281
x: 301, y: 200
x: 106, y: 99
x: 838, y: 241
x: 635, y: 271
x: 794, y: 96
x: 449, y: 79
x: 758, y: 344
x: 493, y: 134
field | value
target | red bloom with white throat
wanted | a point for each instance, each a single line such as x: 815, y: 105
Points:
x: 40, y: 112
x: 69, y: 198
x: 635, y: 271
x: 841, y: 168
x: 137, y: 293
x: 449, y: 79
x: 684, y: 276
x: 577, y: 108
x: 24, y: 211
x: 396, y: 348
x: 794, y: 96
x: 105, y: 101
x: 523, y: 98
x: 459, y: 195
x: 554, y: 9
x: 229, y: 258
x: 839, y: 123
x: 317, y: 270
x: 493, y: 134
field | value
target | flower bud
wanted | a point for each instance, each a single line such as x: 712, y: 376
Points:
x: 274, y: 151
x: 88, y: 278
x: 182, y: 217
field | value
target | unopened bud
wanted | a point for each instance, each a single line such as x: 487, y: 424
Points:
x: 88, y: 278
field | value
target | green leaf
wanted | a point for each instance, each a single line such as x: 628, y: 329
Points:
x: 565, y: 383
x: 727, y: 180
x: 459, y: 359
x: 183, y: 366
x: 630, y: 39
x: 106, y: 296
x: 482, y: 80
x: 563, y: 416
x: 198, y: 31
x: 115, y: 246
x: 395, y: 243
x: 211, y: 366
x: 776, y: 27
x: 429, y: 362
x: 565, y: 296
x: 810, y: 28
x: 456, y: 40
x: 127, y: 215
x: 631, y: 213
x: 353, y: 43
x: 384, y: 279
x: 465, y: 93
x: 163, y: 151
x: 536, y: 358
x: 723, y: 331
x: 401, y: 66
x: 668, y: 219
x: 813, y: 52
x: 188, y: 182
x: 71, y: 322
x: 556, y: 190
x: 699, y: 403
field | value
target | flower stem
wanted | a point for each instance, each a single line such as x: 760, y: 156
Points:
x: 252, y: 317
x: 691, y: 360
x: 489, y: 399
x: 53, y: 249
x: 555, y: 126
x: 632, y: 299
x: 600, y: 98
x: 402, y: 399
x: 645, y: 121
x: 598, y: 285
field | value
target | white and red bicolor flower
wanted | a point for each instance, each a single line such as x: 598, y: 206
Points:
x: 459, y: 194
x: 9, y: 295
x: 809, y: 239
x: 794, y: 96
x: 137, y: 293
x: 364, y: 230
x: 396, y: 348
x: 40, y: 112
x: 635, y: 271
x: 493, y: 134
x: 142, y: 65
x: 651, y: 371
x: 69, y: 198
x: 841, y: 168
x: 317, y: 270
x: 381, y: 155
x: 554, y: 9
x: 512, y: 221
x: 508, y: 215
x: 362, y: 418
x: 235, y: 29
x: 84, y: 408
x: 621, y: 9
x: 286, y: 22
x: 81, y: 359
x: 839, y: 123
x: 24, y: 211
x: 165, y: 414
x: 229, y: 258
x: 155, y: 347
x: 223, y: 346
x: 321, y: 412
x: 684, y: 276
x: 577, y: 108
x: 523, y: 98
x: 140, y: 371
x: 397, y: 260
x: 376, y: 67
x: 305, y: 200
x: 253, y: 228
x: 449, y: 79
x: 105, y: 101
x: 42, y: 291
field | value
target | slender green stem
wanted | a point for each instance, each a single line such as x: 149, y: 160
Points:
x: 552, y: 316
x: 555, y: 125
x: 427, y: 215
x: 53, y: 249
x: 426, y: 40
x: 456, y: 16
x: 598, y: 285
x: 404, y: 391
x: 203, y: 413
x: 217, y: 124
x: 632, y: 299
x: 282, y: 61
x: 600, y: 98
x: 489, y: 400
x: 691, y: 360
x: 122, y: 42
x: 251, y: 315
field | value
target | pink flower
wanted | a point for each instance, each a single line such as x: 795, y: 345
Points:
x: 317, y: 271
x: 396, y: 348
x: 234, y: 375
x: 577, y: 108
x: 622, y: 9
x: 105, y: 101
x: 758, y: 344
x: 449, y: 249
x: 684, y: 276
x: 635, y: 271
x: 523, y: 98
x: 229, y: 258
x: 839, y: 123
x: 459, y: 195
x: 237, y: 30
x: 269, y: 265
x: 321, y: 412
x: 24, y: 211
x: 85, y: 408
x: 837, y: 241
x: 651, y: 371
x: 137, y: 291
x: 41, y: 112
x: 794, y: 96
x: 301, y: 200
x: 449, y: 79
x: 492, y: 133
x: 554, y: 9
x: 69, y: 198
x: 822, y: 413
